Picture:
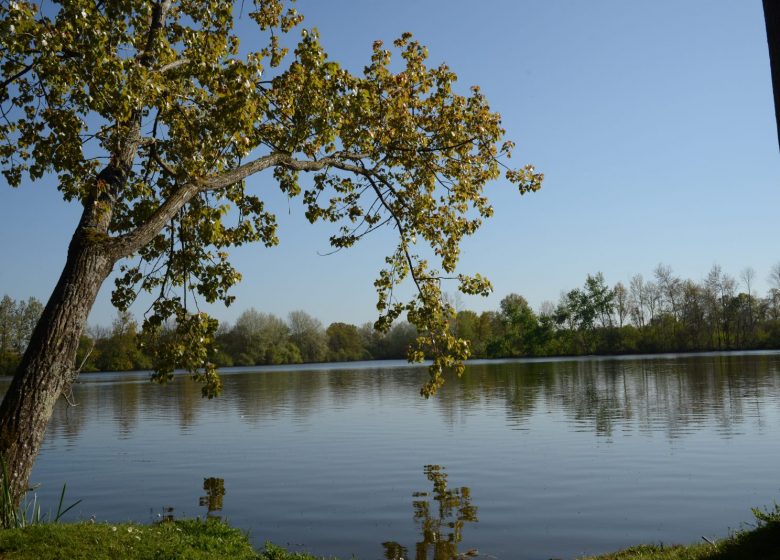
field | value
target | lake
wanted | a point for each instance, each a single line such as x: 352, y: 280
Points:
x: 524, y: 459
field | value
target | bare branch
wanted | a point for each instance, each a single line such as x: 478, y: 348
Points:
x: 173, y: 65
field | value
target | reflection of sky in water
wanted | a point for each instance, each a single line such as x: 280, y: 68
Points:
x: 562, y: 457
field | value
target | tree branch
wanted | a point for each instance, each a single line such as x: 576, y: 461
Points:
x: 129, y: 243
x: 159, y: 13
x: 338, y: 161
x: 173, y: 65
x: 5, y: 83
x: 165, y: 167
x: 401, y: 232
x: 122, y: 159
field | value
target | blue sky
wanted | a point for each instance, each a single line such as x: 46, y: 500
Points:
x: 652, y: 121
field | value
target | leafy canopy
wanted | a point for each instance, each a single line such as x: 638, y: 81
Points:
x: 149, y: 112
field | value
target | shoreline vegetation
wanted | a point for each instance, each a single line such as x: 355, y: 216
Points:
x: 664, y: 315
x: 214, y: 539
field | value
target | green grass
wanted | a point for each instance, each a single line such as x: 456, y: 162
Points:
x: 29, y: 511
x: 760, y: 543
x: 215, y: 540
x: 179, y: 540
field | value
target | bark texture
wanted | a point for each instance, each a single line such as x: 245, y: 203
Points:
x: 48, y: 365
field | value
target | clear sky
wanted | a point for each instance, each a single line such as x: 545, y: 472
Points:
x: 652, y: 121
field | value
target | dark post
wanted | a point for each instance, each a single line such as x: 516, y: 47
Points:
x: 772, y: 19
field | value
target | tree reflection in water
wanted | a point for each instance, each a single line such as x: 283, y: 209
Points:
x: 671, y: 394
x: 215, y: 492
x: 441, y: 520
x: 212, y: 501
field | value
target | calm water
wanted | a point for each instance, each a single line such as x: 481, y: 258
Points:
x: 519, y: 459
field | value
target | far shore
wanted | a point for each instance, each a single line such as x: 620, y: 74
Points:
x: 385, y: 364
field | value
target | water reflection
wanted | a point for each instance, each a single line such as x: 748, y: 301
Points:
x: 675, y: 395
x: 440, y: 515
x: 212, y: 501
x: 215, y: 493
x: 561, y: 451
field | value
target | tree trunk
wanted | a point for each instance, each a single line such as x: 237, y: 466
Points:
x: 48, y: 365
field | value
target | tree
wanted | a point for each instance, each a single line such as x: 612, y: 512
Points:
x: 600, y: 298
x: 345, y: 343
x: 580, y: 309
x: 151, y: 118
x: 7, y: 320
x: 466, y: 326
x: 719, y: 290
x: 520, y: 326
x: 621, y: 303
x: 669, y: 292
x: 307, y: 334
x: 397, y: 341
x: 693, y: 314
x: 571, y: 315
x: 119, y: 351
x: 637, y: 300
x: 17, y: 320
x: 748, y: 277
x: 259, y: 338
x: 669, y: 289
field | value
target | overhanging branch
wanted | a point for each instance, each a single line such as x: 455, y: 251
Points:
x: 129, y: 243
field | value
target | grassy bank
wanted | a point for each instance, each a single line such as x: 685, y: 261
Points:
x: 760, y: 543
x: 179, y: 540
x: 214, y: 540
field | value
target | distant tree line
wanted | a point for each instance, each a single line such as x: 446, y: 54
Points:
x: 17, y: 320
x: 256, y: 338
x: 262, y: 338
x: 662, y: 314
